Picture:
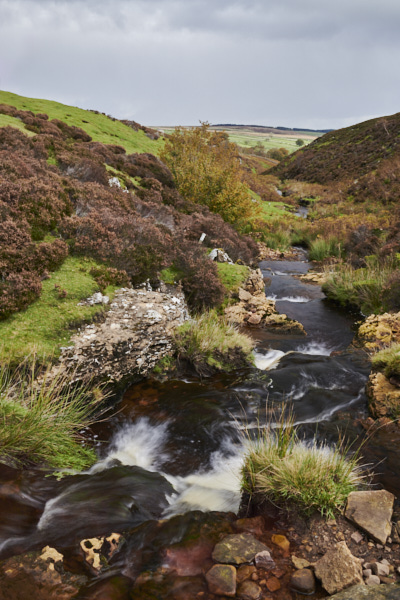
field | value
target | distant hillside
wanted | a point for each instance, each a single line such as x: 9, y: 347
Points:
x: 277, y: 130
x: 101, y: 128
x: 364, y: 158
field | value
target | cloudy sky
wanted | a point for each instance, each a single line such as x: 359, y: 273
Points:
x: 301, y: 63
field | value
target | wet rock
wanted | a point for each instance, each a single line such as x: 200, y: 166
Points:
x: 38, y: 575
x: 264, y: 560
x: 114, y: 588
x: 273, y: 584
x: 244, y: 572
x: 187, y: 588
x: 303, y: 581
x: 221, y: 580
x: 249, y: 590
x: 362, y: 592
x: 372, y: 512
x: 254, y: 525
x: 237, y: 549
x: 281, y: 541
x: 338, y: 569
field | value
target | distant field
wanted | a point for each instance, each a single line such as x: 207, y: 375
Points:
x: 100, y: 127
x: 247, y: 137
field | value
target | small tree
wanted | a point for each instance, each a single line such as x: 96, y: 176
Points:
x: 206, y: 169
x: 299, y: 142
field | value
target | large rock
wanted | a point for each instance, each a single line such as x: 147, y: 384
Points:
x: 383, y: 397
x: 303, y: 581
x: 221, y: 580
x: 379, y: 331
x: 249, y: 590
x: 371, y: 511
x: 237, y: 549
x: 338, y: 569
x: 362, y: 592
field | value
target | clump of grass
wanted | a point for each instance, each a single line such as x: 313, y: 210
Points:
x: 232, y: 276
x: 40, y: 421
x: 388, y: 360
x: 322, y: 248
x: 209, y: 340
x: 287, y: 471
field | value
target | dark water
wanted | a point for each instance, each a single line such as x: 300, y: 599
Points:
x: 176, y: 447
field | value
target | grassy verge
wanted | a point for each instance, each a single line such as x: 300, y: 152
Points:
x: 47, y: 324
x: 388, y: 360
x: 39, y: 423
x: 209, y: 343
x: 280, y: 468
x: 99, y: 126
x: 232, y: 276
x: 372, y: 289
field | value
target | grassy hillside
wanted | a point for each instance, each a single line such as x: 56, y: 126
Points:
x: 100, y: 127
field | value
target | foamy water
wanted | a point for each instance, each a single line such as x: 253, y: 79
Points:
x: 269, y: 360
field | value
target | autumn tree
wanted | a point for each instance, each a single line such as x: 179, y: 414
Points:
x: 206, y: 169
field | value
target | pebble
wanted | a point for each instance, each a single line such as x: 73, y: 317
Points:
x: 372, y: 580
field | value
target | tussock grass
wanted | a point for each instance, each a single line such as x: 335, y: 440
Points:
x: 322, y: 248
x: 287, y: 471
x: 40, y: 422
x: 388, y: 360
x: 209, y: 339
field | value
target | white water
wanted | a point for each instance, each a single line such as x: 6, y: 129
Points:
x: 297, y: 299
x: 269, y: 360
x: 315, y: 348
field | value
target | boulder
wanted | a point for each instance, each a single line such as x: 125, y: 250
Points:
x: 363, y: 592
x: 383, y: 396
x: 303, y: 581
x: 379, y: 331
x: 221, y: 580
x: 237, y: 549
x: 372, y: 512
x: 338, y: 569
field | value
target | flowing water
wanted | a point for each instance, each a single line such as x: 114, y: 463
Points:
x: 178, y: 446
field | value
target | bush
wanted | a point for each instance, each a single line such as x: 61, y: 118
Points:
x: 17, y: 291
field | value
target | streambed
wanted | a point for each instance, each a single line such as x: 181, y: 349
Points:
x: 178, y: 446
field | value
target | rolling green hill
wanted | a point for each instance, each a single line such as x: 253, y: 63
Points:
x: 100, y: 127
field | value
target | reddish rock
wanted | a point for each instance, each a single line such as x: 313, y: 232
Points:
x: 221, y: 580
x: 273, y: 584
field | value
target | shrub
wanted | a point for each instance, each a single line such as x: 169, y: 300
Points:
x: 17, y: 291
x: 286, y: 471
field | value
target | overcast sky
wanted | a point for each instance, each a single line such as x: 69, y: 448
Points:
x: 300, y: 63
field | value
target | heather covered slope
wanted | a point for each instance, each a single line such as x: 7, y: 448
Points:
x: 362, y: 161
x: 100, y: 127
x: 63, y: 195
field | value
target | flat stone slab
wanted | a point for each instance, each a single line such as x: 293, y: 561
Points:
x: 371, y: 511
x: 363, y: 592
x: 237, y: 549
x: 338, y: 569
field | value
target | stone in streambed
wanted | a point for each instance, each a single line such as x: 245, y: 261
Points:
x: 221, y: 580
x: 281, y: 541
x: 371, y: 511
x: 237, y: 549
x: 303, y: 581
x: 264, y: 560
x: 249, y: 590
x: 363, y: 592
x: 338, y: 569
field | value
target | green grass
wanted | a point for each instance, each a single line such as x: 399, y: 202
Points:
x: 39, y: 422
x: 273, y: 209
x: 232, y: 276
x: 322, y: 248
x: 208, y: 340
x: 311, y: 477
x: 100, y: 127
x: 47, y: 323
x: 5, y: 121
x: 388, y: 360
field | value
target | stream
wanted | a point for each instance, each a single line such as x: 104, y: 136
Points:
x: 178, y: 446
